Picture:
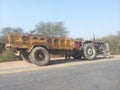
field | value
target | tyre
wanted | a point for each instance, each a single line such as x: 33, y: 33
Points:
x: 39, y: 56
x: 106, y: 54
x: 25, y: 57
x: 89, y: 51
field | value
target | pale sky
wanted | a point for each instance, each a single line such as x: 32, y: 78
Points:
x: 81, y: 17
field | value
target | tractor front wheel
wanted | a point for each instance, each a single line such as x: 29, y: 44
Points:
x: 106, y: 52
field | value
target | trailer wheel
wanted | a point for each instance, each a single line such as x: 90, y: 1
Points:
x: 89, y: 51
x: 25, y: 57
x: 40, y: 56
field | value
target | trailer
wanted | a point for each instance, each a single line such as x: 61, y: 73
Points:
x: 37, y: 49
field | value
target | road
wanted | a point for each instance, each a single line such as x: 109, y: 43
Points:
x: 73, y: 75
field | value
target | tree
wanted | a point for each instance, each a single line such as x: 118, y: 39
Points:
x: 113, y: 41
x: 5, y: 31
x: 51, y: 29
x: 79, y: 39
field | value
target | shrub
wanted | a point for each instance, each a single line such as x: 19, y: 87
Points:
x: 7, y: 55
x: 2, y: 47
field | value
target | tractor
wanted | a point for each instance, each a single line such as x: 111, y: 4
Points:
x: 89, y: 49
x: 37, y: 49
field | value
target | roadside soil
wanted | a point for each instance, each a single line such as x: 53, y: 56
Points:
x: 21, y: 63
x: 17, y: 64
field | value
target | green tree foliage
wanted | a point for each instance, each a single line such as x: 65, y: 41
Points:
x: 51, y: 29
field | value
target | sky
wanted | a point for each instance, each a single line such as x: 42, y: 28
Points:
x: 81, y: 18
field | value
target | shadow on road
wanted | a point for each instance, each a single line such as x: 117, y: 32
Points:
x: 60, y: 61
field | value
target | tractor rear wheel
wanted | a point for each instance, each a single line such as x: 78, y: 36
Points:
x: 89, y: 51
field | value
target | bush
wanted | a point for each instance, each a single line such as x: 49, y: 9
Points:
x: 113, y: 41
x: 7, y: 55
x: 2, y: 47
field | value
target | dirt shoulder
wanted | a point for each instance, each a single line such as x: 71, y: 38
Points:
x: 17, y: 64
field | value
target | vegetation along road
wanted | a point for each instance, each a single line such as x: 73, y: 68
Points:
x: 101, y: 74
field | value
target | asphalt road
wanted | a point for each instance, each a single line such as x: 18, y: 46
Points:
x: 98, y: 75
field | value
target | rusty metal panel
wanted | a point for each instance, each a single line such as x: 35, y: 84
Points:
x: 28, y: 41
